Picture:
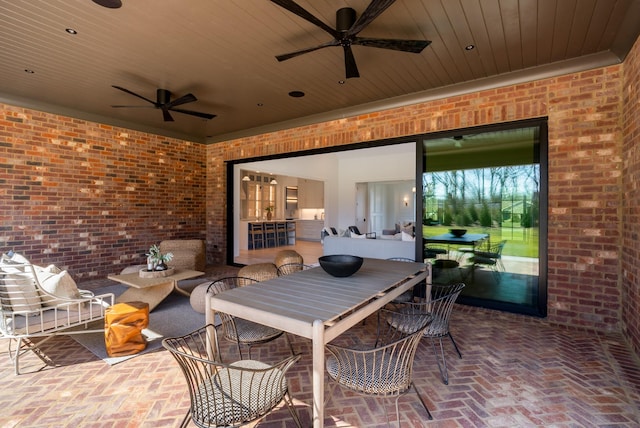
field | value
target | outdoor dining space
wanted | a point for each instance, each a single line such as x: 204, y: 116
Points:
x: 317, y: 306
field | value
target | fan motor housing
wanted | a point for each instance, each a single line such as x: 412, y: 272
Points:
x: 345, y: 18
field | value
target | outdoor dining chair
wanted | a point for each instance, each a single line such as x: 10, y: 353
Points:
x: 386, y: 369
x: 407, y: 296
x: 238, y: 330
x: 290, y: 268
x: 440, y: 307
x: 225, y: 395
x: 491, y: 258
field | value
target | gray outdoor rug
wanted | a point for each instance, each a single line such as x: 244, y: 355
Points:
x: 173, y: 317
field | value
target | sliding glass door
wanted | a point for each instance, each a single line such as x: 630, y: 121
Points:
x: 485, y: 185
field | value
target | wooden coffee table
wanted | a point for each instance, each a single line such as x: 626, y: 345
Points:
x: 152, y: 290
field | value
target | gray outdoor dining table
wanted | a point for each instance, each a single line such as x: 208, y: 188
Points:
x: 315, y: 305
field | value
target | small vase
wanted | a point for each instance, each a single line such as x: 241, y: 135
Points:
x: 268, y: 215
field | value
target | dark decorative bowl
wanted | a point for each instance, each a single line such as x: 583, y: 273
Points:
x: 458, y: 232
x: 340, y: 265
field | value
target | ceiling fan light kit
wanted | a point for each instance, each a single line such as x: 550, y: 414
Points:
x: 346, y: 32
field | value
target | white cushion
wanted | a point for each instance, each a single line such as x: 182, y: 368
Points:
x: 17, y: 285
x: 59, y: 284
x: 407, y: 237
x: 355, y: 235
x: 21, y: 291
x: 407, y: 227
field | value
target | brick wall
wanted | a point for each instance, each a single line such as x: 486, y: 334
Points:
x: 630, y: 278
x: 90, y: 197
x: 585, y: 164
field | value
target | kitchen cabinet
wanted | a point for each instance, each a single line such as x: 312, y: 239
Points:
x: 310, y: 193
x: 309, y: 230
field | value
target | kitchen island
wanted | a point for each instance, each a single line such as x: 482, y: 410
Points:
x: 264, y: 241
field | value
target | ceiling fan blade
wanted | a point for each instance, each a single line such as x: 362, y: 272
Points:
x: 134, y: 94
x: 350, y: 63
x: 414, y: 46
x: 194, y: 113
x: 166, y: 115
x: 303, y: 51
x: 188, y: 98
x: 293, y: 7
x: 375, y: 8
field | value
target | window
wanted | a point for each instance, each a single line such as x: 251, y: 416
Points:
x: 488, y: 182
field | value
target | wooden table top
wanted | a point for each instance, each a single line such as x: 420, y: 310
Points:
x: 293, y: 302
x: 134, y: 279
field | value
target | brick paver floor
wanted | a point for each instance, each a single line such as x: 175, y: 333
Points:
x: 516, y: 371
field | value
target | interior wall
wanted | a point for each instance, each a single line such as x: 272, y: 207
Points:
x: 585, y: 155
x: 340, y: 172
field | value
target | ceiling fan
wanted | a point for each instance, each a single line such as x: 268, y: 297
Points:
x: 111, y: 4
x: 164, y: 103
x: 346, y: 32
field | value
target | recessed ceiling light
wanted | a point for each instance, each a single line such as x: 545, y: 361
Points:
x: 26, y: 70
x: 71, y: 31
x: 342, y: 82
x: 260, y: 104
x: 296, y: 94
x: 469, y: 47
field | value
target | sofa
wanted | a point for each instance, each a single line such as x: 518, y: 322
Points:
x: 372, y: 248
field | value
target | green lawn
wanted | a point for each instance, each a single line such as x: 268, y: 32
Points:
x: 521, y: 242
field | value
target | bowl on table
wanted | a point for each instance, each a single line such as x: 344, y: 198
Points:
x: 458, y: 233
x: 340, y: 265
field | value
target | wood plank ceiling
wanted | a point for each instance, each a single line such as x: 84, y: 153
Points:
x: 224, y: 53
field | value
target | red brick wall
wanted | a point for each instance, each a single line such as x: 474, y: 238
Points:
x: 630, y: 256
x: 585, y: 161
x: 90, y: 197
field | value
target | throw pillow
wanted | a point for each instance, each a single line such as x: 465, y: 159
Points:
x: 407, y: 227
x: 407, y: 237
x: 354, y: 235
x: 13, y: 259
x: 18, y: 285
x: 21, y: 291
x: 59, y: 284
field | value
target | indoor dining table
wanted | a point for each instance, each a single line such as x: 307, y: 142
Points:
x: 315, y: 305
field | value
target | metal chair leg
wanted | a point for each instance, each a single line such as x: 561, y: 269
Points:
x: 442, y: 362
x: 454, y: 344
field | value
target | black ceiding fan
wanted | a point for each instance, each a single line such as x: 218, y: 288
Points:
x: 346, y: 31
x: 164, y: 103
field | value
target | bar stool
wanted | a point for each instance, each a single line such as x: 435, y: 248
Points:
x: 270, y: 234
x: 256, y: 235
x: 281, y: 233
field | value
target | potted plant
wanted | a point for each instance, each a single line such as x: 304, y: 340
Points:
x: 156, y: 260
x: 270, y: 209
